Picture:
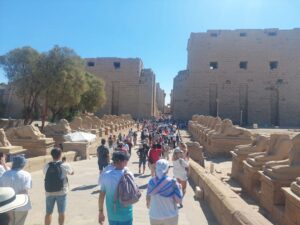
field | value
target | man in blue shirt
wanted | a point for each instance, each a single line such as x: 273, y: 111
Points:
x: 109, y: 180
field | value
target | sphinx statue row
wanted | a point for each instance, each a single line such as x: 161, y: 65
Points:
x: 30, y: 140
x: 217, y: 136
x: 268, y: 169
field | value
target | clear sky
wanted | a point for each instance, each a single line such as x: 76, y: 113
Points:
x: 157, y: 31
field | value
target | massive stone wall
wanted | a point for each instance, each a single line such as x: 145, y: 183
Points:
x: 249, y: 76
x: 130, y: 89
x: 160, y: 98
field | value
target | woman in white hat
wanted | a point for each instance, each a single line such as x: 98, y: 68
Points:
x: 8, y: 202
x: 163, y: 195
x: 181, y: 167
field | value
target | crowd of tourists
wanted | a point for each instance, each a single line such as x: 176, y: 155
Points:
x: 160, y: 145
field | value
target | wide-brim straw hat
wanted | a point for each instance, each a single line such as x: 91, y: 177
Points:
x: 9, y: 200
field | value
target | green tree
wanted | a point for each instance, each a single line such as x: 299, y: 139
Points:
x: 64, y: 81
x: 20, y: 66
x: 94, y: 97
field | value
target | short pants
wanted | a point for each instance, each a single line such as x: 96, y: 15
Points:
x: 142, y: 162
x: 120, y: 223
x: 61, y: 201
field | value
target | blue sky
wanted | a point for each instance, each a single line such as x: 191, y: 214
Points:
x: 157, y: 31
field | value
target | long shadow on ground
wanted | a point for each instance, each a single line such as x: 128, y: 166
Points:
x: 84, y: 187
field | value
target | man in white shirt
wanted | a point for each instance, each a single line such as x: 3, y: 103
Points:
x: 21, y: 182
x: 56, y: 186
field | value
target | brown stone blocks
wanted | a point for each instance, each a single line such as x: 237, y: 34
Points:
x: 292, y: 208
x: 223, y: 146
x: 251, y: 180
x: 272, y: 197
x: 226, y: 205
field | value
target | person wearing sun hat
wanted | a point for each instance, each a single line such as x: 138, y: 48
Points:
x: 163, y: 195
x: 8, y: 202
x: 20, y: 181
x: 180, y: 168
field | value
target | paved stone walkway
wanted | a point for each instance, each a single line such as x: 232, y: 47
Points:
x: 82, y: 206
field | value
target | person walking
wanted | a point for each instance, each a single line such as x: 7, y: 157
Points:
x: 20, y: 181
x: 181, y: 167
x: 163, y: 195
x: 153, y: 156
x: 103, y: 155
x: 135, y: 138
x: 56, y: 186
x: 117, y: 213
x: 8, y: 202
x: 142, y: 152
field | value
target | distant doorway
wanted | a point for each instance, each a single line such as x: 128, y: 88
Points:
x: 274, y: 101
x: 213, y: 99
x: 243, y: 95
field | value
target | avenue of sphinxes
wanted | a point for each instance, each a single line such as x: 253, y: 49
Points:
x: 266, y: 169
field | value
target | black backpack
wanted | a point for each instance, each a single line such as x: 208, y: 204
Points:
x: 53, y: 179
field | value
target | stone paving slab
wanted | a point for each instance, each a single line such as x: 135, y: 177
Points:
x: 82, y: 208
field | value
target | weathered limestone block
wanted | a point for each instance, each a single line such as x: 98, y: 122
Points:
x: 280, y: 144
x: 82, y: 149
x: 57, y: 131
x: 278, y: 174
x: 60, y: 128
x: 229, y: 137
x: 7, y: 148
x: 30, y: 138
x: 295, y: 186
x: 215, y: 123
x: 97, y: 123
x: 3, y: 139
x: 226, y: 205
x: 87, y: 123
x: 241, y: 152
x: 25, y: 132
x: 292, y: 204
x: 76, y: 124
x: 195, y: 151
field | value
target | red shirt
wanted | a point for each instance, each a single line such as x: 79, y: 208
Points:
x: 155, y: 154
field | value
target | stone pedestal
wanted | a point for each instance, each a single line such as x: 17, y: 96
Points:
x: 292, y: 207
x: 35, y: 148
x: 251, y: 180
x: 58, y: 139
x: 195, y: 151
x: 97, y: 133
x: 82, y: 149
x: 106, y: 130
x: 223, y: 145
x: 272, y: 194
x: 12, y: 150
x: 237, y: 169
x: 101, y: 132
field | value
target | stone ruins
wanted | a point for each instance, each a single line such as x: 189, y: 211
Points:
x: 7, y: 148
x: 30, y: 138
x: 129, y: 87
x: 36, y: 146
x: 248, y: 76
x: 267, y: 169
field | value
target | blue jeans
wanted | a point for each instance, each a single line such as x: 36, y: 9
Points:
x: 61, y: 201
x: 120, y: 223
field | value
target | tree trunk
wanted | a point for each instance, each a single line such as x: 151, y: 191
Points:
x: 45, y: 112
